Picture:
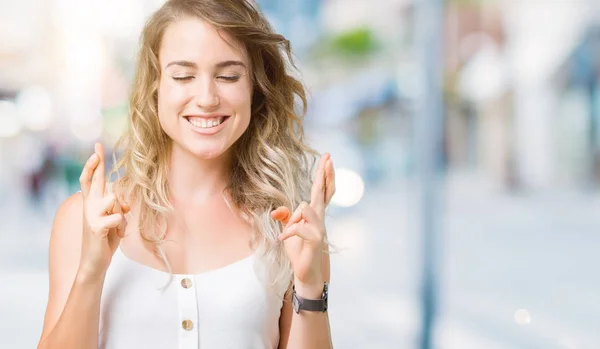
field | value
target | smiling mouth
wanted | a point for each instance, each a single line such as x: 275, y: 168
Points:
x: 206, y: 123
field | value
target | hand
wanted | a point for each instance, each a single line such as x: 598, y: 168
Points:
x: 103, y: 219
x: 304, y: 231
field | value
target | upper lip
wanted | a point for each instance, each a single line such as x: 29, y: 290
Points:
x: 206, y: 116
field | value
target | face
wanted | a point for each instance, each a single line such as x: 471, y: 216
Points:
x: 205, y: 91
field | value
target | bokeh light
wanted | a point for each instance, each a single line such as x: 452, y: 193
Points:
x: 350, y: 188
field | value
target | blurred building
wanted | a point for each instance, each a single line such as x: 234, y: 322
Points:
x: 297, y: 20
x: 504, y: 104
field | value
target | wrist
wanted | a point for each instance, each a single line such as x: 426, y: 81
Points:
x: 310, y: 297
x: 89, y: 277
x: 313, y: 290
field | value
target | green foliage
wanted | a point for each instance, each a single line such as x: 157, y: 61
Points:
x: 356, y: 43
x: 359, y: 41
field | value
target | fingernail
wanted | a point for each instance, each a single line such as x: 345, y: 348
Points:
x: 93, y: 157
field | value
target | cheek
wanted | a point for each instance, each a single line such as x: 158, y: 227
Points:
x: 238, y: 96
x: 170, y: 97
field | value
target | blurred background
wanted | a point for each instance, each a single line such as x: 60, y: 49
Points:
x: 511, y: 257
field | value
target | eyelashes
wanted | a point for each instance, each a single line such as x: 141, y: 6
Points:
x: 228, y: 78
x: 182, y: 78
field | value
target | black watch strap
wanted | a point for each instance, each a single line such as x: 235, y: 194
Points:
x: 319, y: 305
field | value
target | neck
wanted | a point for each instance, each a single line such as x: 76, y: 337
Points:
x: 193, y: 180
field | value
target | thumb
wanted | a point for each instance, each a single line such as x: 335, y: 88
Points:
x: 123, y: 208
x: 122, y: 228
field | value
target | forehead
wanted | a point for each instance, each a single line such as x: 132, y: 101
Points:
x: 195, y: 40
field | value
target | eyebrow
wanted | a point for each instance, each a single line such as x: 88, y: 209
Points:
x: 226, y: 64
x: 182, y: 63
x: 223, y: 64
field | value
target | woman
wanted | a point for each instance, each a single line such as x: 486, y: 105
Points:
x: 194, y: 246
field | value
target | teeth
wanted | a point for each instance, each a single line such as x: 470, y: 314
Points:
x: 203, y: 123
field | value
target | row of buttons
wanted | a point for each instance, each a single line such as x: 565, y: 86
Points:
x: 187, y: 325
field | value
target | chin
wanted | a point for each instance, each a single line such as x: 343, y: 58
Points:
x: 207, y: 152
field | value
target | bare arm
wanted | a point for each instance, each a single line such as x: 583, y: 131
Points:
x: 85, y: 234
x: 72, y: 313
x: 306, y: 329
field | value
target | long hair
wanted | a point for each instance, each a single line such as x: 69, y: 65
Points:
x: 272, y: 163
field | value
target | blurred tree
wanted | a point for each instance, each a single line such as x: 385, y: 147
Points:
x: 358, y: 43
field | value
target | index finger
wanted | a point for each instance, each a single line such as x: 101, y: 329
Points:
x: 98, y: 181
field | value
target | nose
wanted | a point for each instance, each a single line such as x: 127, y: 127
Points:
x: 207, y: 96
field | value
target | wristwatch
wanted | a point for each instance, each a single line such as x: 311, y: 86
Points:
x: 300, y: 303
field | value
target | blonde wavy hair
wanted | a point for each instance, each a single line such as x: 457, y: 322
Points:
x: 272, y: 163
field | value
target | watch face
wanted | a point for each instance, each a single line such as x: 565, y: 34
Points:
x: 295, y: 303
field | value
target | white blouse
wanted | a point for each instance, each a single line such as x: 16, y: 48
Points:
x: 223, y: 308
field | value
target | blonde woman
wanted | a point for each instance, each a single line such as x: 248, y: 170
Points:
x: 195, y: 245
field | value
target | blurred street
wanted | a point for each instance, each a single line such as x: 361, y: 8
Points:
x: 502, y: 253
x: 514, y: 124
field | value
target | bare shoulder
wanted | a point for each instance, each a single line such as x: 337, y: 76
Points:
x: 72, y: 203
x: 68, y: 219
x: 64, y: 254
x: 66, y: 237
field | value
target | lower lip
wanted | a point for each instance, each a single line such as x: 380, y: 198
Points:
x: 210, y: 130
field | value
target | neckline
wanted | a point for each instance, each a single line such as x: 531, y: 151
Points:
x: 204, y: 273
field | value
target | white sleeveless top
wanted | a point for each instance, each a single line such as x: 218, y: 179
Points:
x: 223, y: 308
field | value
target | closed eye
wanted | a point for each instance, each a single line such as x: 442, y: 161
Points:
x: 229, y: 77
x: 182, y: 78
